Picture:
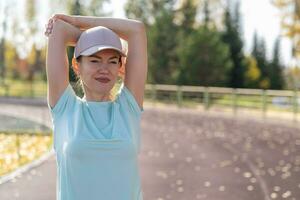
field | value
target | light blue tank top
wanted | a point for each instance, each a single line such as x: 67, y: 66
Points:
x: 97, y: 146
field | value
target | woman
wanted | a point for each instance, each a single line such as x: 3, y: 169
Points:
x: 96, y: 139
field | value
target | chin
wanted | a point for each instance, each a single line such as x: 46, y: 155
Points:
x: 104, y: 87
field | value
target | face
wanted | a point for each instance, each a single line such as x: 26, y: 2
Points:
x: 105, y: 63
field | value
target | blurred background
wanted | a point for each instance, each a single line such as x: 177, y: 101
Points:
x: 224, y: 43
x: 222, y: 97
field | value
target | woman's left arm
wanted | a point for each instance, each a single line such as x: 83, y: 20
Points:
x: 134, y: 33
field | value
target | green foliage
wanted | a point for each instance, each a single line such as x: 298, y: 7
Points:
x: 276, y: 68
x: 187, y: 13
x: 2, y: 60
x: 271, y: 71
x: 187, y: 44
x: 232, y: 36
x: 252, y: 73
x: 35, y: 60
x: 11, y: 57
x: 2, y: 47
x: 95, y: 8
x: 292, y: 78
x: 158, y: 17
x: 265, y: 83
x: 259, y: 53
x: 162, y: 55
x: 139, y: 10
x: 198, y: 67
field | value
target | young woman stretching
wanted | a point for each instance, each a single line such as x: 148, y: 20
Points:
x: 96, y: 138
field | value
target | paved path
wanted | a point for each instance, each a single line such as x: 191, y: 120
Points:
x: 187, y: 155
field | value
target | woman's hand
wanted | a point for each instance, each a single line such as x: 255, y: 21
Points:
x: 69, y: 32
x: 67, y: 18
x: 49, y: 27
x: 75, y: 20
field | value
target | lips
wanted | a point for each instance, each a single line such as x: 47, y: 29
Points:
x: 103, y: 79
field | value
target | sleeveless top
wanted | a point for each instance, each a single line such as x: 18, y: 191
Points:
x: 97, y: 146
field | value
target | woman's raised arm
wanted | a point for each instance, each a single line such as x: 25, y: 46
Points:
x: 134, y: 33
x: 60, y: 34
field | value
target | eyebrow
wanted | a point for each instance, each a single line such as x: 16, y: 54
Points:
x: 95, y: 56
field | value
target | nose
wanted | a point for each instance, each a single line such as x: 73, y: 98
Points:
x: 103, y: 65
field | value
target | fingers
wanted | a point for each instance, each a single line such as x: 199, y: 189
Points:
x: 60, y: 16
x: 67, y: 18
x: 49, y: 26
x: 57, y: 17
x: 51, y: 21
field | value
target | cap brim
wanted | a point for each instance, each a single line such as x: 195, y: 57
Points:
x: 95, y: 49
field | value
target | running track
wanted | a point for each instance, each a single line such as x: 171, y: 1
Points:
x: 191, y: 155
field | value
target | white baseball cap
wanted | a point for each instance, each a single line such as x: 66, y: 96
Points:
x: 96, y: 39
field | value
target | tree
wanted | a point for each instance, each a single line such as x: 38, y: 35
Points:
x: 35, y: 61
x: 187, y: 15
x: 2, y: 46
x: 96, y: 8
x: 199, y: 60
x: 148, y: 11
x: 276, y: 68
x: 139, y: 10
x: 210, y: 12
x: 162, y: 55
x: 259, y: 53
x: 232, y: 37
x: 31, y: 12
x: 292, y: 78
x: 252, y: 73
x: 158, y: 17
x: 11, y: 57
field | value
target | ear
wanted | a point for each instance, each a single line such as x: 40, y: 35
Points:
x: 75, y: 66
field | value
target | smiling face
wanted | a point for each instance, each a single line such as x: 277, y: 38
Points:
x: 99, y: 73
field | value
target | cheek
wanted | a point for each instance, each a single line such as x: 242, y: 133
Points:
x: 85, y: 75
x: 116, y: 72
x: 87, y: 70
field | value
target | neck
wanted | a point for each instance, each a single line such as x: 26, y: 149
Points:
x: 89, y: 98
x: 92, y: 96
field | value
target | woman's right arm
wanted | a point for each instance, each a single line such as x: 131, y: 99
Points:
x: 62, y: 35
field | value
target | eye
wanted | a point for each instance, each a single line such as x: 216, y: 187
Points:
x: 114, y: 62
x: 94, y: 61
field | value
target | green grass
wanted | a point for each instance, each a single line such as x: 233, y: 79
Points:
x: 20, y: 88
